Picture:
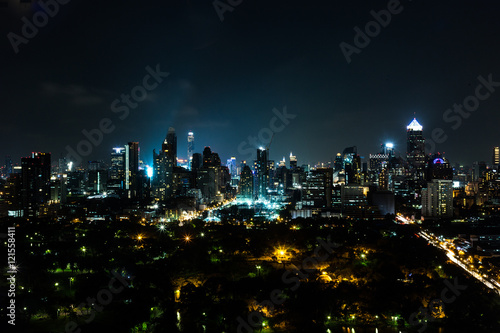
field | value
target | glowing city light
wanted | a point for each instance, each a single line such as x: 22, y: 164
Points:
x: 414, y: 126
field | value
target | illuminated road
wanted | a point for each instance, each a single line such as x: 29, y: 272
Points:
x: 457, y: 260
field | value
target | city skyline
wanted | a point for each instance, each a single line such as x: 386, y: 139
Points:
x: 225, y: 78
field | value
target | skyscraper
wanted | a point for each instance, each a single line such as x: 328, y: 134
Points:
x: 190, y: 148
x: 246, y: 183
x: 437, y: 199
x: 131, y: 168
x: 415, y: 148
x: 496, y: 156
x: 170, y: 145
x: 231, y: 164
x: 117, y: 171
x: 8, y: 166
x: 263, y: 172
x: 35, y: 180
x: 293, y: 161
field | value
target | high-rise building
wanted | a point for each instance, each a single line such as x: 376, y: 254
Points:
x: 317, y: 190
x: 246, y: 183
x: 117, y: 170
x: 131, y: 168
x: 163, y: 167
x: 262, y: 169
x: 387, y: 149
x: 8, y: 166
x: 190, y: 147
x: 438, y: 167
x: 496, y: 156
x: 231, y: 165
x: 437, y: 199
x: 170, y: 144
x: 478, y: 170
x: 415, y: 148
x: 196, y: 162
x: 62, y: 165
x: 96, y: 178
x: 293, y: 161
x: 35, y: 182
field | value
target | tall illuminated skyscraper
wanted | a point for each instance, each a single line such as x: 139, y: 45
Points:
x: 246, y: 183
x: 131, y: 168
x: 190, y: 147
x: 496, y: 156
x: 231, y: 164
x: 169, y: 146
x: 35, y: 180
x: 262, y: 172
x: 293, y: 161
x: 415, y: 148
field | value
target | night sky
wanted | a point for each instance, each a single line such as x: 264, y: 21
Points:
x: 226, y: 77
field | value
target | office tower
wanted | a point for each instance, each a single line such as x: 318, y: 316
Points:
x: 378, y: 162
x: 415, y: 148
x: 437, y: 198
x: 282, y: 163
x: 62, y: 165
x: 207, y: 157
x: 293, y: 161
x: 317, y: 190
x: 97, y: 177
x: 163, y: 166
x: 496, y: 156
x: 231, y: 165
x: 262, y: 170
x: 131, y: 168
x: 170, y: 145
x: 190, y: 147
x: 353, y: 200
x: 478, y: 170
x: 206, y: 181
x: 117, y: 170
x: 35, y: 181
x: 271, y: 167
x: 8, y: 166
x: 438, y: 167
x: 13, y: 195
x: 338, y: 164
x: 351, y: 163
x: 246, y: 183
x: 58, y: 188
x: 196, y: 162
x: 387, y: 149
